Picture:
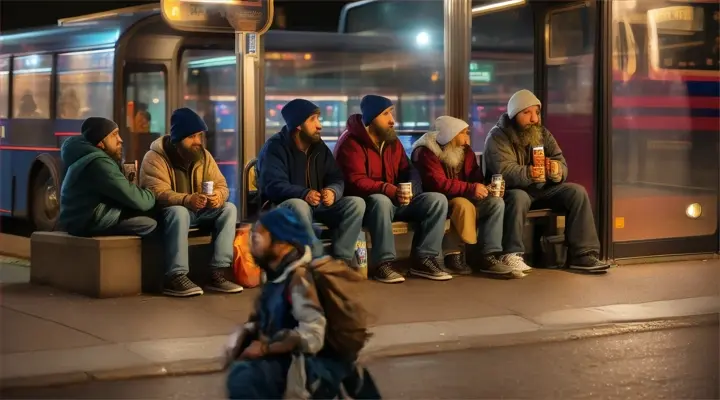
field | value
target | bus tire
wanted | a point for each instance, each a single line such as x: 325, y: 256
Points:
x: 44, y: 195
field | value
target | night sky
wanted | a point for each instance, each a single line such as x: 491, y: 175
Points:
x: 300, y: 15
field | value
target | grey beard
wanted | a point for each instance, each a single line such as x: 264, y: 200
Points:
x: 531, y: 136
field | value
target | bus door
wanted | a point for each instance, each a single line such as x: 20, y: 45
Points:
x: 569, y: 69
x: 145, y: 104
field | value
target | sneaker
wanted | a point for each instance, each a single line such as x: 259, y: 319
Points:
x: 181, y: 286
x: 494, y: 265
x: 455, y: 264
x: 386, y: 274
x: 429, y: 268
x: 587, y: 262
x: 516, y: 261
x: 218, y: 283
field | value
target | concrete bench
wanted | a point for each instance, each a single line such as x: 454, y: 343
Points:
x: 109, y: 266
x: 101, y: 267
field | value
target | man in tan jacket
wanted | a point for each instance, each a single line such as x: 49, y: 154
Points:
x: 175, y: 169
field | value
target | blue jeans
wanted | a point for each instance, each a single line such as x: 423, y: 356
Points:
x: 344, y: 218
x: 426, y: 212
x: 177, y: 221
x: 129, y: 224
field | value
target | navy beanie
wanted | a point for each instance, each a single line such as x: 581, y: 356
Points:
x: 95, y: 129
x: 372, y: 105
x: 185, y: 122
x: 284, y: 225
x: 297, y: 111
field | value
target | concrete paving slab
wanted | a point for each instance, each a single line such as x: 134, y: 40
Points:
x: 172, y: 350
x: 14, y: 273
x: 44, y: 363
x: 629, y: 312
x: 21, y: 332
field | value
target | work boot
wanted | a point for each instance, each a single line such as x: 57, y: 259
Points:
x: 218, y: 282
x: 428, y: 268
x: 181, y: 286
x: 385, y: 273
x: 456, y: 265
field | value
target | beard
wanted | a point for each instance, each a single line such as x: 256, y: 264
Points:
x: 452, y: 156
x: 263, y: 261
x: 193, y: 153
x: 531, y: 135
x: 309, y: 138
x: 116, y: 155
x: 384, y: 134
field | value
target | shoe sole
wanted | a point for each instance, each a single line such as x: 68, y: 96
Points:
x: 393, y: 280
x: 431, y: 277
x: 221, y: 290
x: 589, y: 269
x: 489, y: 272
x: 173, y: 293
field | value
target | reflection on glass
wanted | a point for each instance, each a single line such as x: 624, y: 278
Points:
x: 666, y: 118
x: 84, y: 84
x: 4, y: 86
x: 502, y: 64
x: 31, y: 86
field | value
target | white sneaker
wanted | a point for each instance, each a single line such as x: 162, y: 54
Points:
x: 516, y: 261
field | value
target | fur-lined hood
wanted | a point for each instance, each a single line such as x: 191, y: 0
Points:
x: 429, y: 141
x: 448, y: 157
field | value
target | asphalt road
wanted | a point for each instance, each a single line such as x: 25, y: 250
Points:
x: 670, y: 364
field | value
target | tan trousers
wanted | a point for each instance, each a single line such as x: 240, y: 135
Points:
x: 463, y: 221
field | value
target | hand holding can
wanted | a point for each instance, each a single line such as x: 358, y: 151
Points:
x: 538, y: 165
x: 405, y: 193
x: 497, y: 186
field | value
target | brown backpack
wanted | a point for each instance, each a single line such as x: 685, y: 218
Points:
x: 336, y: 283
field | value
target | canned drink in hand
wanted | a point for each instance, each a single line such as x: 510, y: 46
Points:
x: 497, y: 186
x: 406, y: 189
x: 207, y: 187
x: 538, y: 154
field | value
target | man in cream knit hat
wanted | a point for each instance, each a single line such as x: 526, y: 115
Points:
x: 509, y: 151
x: 447, y: 165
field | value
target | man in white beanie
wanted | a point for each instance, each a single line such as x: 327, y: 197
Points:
x: 447, y: 165
x: 509, y: 151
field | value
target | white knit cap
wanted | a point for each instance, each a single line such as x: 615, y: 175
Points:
x: 520, y: 101
x: 448, y: 127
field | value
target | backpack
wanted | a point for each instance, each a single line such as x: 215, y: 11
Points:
x: 346, y: 332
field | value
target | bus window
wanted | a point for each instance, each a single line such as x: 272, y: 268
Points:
x: 502, y: 63
x: 84, y: 84
x: 4, y: 86
x: 31, y: 86
x: 146, y: 98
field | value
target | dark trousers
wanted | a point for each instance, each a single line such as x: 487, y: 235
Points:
x: 130, y: 223
x: 568, y: 198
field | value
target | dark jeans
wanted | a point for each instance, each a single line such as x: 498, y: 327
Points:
x: 130, y: 223
x: 568, y: 198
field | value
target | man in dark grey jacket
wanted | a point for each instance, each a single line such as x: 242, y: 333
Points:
x: 509, y: 151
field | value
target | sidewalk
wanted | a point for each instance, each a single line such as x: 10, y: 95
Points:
x: 49, y: 336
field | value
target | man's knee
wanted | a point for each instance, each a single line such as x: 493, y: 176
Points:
x: 379, y: 203
x: 146, y: 226
x: 176, y: 214
x: 228, y: 212
x: 575, y: 192
x: 494, y: 205
x: 434, y: 202
x: 462, y: 207
x: 300, y: 206
x: 353, y: 207
x: 517, y: 200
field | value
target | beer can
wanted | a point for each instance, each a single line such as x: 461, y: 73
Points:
x: 538, y: 156
x: 406, y: 189
x: 207, y: 187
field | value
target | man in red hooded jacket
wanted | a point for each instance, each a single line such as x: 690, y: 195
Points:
x: 447, y: 164
x: 374, y: 164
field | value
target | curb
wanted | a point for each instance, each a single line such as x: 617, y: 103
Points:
x: 215, y: 364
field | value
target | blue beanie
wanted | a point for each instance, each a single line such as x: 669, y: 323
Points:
x: 297, y: 111
x: 284, y: 225
x: 185, y: 122
x: 372, y: 105
x: 95, y: 129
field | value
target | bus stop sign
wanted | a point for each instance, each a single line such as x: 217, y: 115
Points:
x: 251, y: 16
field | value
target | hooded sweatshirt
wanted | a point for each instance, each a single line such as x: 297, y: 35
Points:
x: 285, y: 172
x: 370, y: 169
x: 453, y: 178
x: 505, y: 155
x: 158, y: 174
x: 95, y: 190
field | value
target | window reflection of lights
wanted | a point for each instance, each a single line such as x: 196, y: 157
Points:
x: 487, y: 8
x: 307, y: 57
x: 422, y: 39
x: 694, y: 211
x: 155, y: 100
x: 32, y: 71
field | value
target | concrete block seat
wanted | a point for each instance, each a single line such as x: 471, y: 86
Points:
x: 109, y: 266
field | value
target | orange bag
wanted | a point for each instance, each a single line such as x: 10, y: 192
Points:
x: 247, y: 274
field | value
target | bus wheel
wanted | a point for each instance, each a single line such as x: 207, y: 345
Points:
x: 45, y: 196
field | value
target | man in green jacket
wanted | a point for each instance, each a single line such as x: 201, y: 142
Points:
x: 96, y: 198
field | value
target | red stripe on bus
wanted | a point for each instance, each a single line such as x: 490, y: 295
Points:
x: 667, y: 102
x: 5, y: 211
x: 28, y: 148
x: 67, y: 133
x: 666, y: 123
